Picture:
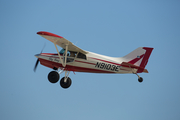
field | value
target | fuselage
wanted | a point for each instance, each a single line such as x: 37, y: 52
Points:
x: 91, y: 62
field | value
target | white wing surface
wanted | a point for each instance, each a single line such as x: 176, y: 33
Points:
x: 60, y: 41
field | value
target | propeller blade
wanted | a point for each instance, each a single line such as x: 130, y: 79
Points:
x: 38, y: 59
x: 36, y: 65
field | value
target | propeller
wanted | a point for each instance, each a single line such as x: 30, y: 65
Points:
x: 37, y: 62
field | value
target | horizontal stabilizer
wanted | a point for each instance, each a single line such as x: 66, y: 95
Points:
x: 128, y: 65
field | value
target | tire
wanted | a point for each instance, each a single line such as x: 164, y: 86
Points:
x: 66, y: 84
x: 53, y: 77
x: 140, y: 79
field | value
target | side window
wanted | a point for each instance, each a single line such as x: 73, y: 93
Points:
x: 82, y: 56
x: 62, y: 51
x: 73, y: 54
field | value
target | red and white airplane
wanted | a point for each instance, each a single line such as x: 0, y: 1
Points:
x: 72, y: 58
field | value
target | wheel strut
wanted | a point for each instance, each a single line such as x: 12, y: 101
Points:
x: 140, y: 79
x: 66, y: 76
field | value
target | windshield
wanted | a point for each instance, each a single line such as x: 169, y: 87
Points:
x: 62, y: 51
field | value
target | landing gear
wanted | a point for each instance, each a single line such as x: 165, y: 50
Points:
x: 53, y: 77
x: 140, y: 79
x: 65, y: 82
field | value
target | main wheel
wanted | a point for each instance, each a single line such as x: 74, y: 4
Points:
x: 140, y: 79
x: 66, y: 84
x: 53, y: 77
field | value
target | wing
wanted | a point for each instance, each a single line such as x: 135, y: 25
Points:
x: 60, y: 41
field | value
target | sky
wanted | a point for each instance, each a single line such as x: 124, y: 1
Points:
x: 113, y: 28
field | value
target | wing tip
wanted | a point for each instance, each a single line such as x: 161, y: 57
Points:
x: 48, y: 34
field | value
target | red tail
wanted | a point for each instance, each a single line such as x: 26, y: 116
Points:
x: 145, y: 59
x: 138, y: 59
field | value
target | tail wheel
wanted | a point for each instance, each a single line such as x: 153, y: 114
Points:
x: 53, y: 77
x: 140, y: 79
x: 65, y: 84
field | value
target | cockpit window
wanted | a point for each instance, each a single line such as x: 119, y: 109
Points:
x: 69, y: 53
x: 73, y: 54
x: 62, y: 51
x: 82, y: 56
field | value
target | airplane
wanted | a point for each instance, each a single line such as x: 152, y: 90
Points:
x: 72, y: 58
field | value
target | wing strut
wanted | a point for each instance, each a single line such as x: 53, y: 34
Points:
x: 63, y: 63
x: 59, y: 55
x: 66, y: 54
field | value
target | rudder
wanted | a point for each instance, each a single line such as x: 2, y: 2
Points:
x: 145, y: 59
x: 139, y: 57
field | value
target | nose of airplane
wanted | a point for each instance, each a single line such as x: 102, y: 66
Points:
x: 37, y: 55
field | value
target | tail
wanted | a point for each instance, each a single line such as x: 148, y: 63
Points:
x: 138, y: 59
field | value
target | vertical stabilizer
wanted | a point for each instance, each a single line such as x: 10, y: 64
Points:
x: 139, y: 57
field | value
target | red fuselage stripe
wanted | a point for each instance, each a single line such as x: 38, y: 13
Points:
x: 52, y: 64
